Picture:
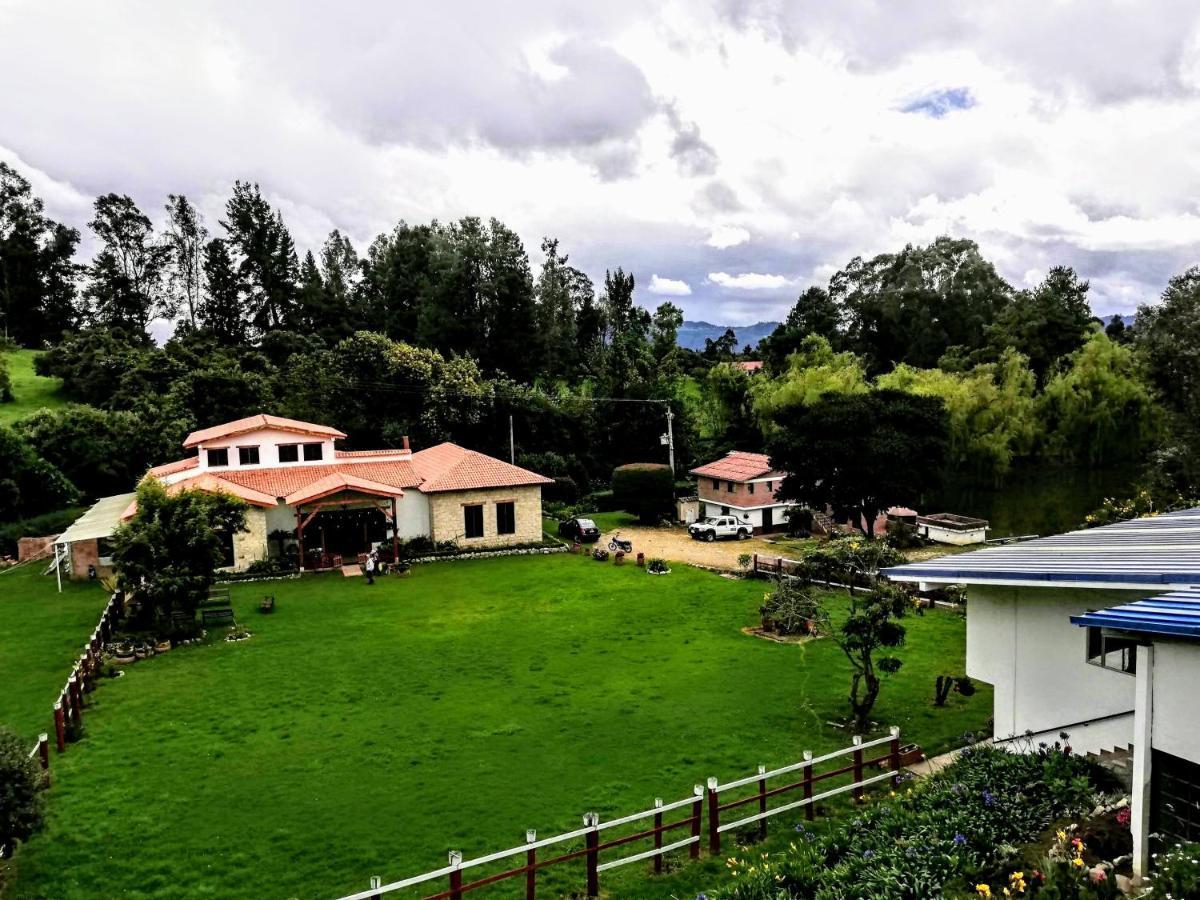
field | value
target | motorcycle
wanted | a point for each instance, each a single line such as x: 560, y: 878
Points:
x: 617, y: 544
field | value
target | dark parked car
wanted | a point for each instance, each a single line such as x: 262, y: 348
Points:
x: 582, y: 530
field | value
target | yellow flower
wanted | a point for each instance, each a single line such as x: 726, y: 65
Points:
x: 1077, y: 862
x: 1062, y: 835
x: 983, y: 890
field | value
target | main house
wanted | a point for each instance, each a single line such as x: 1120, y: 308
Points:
x: 743, y: 485
x: 334, y: 505
x: 1095, y: 633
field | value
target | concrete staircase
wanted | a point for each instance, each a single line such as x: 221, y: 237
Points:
x: 1119, y: 761
x: 823, y: 523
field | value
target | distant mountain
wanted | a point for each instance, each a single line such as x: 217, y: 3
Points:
x: 692, y: 334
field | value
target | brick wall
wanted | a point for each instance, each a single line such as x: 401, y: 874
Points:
x: 33, y: 547
x: 739, y: 496
x: 84, y: 554
x: 447, y: 519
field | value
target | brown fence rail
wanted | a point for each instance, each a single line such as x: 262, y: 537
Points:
x: 690, y: 822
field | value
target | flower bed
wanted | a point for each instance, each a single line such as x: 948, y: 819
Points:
x: 941, y: 838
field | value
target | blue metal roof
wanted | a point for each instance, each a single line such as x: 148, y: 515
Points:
x: 1176, y: 614
x: 1152, y: 552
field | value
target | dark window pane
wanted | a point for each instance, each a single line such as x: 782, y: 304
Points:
x: 506, y: 518
x: 473, y: 521
x: 218, y: 457
x: 248, y: 456
x: 313, y: 451
x: 289, y: 452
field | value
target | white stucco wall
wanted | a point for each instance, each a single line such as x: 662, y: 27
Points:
x: 1176, y: 680
x: 753, y: 516
x: 268, y: 441
x: 1021, y: 641
x: 412, y: 515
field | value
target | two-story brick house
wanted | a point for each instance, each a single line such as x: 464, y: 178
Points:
x: 743, y: 485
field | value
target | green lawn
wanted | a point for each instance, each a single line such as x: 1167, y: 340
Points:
x: 364, y: 730
x: 41, y: 633
x: 31, y: 391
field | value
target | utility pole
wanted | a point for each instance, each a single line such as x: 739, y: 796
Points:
x: 512, y: 447
x: 670, y: 439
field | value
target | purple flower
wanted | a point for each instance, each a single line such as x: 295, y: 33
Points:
x: 702, y: 897
x: 960, y: 839
x: 988, y: 798
x: 867, y: 854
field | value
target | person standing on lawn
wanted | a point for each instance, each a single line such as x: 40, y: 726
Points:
x: 369, y: 568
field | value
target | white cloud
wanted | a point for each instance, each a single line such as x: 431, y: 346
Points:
x: 627, y: 130
x: 749, y: 281
x: 669, y: 287
x: 724, y: 236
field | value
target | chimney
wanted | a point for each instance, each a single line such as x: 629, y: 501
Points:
x: 404, y: 445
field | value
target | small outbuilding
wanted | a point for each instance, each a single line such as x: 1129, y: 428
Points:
x: 82, y: 550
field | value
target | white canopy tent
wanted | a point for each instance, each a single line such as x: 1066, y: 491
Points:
x: 100, y: 521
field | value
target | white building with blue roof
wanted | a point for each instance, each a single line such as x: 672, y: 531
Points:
x: 1095, y: 633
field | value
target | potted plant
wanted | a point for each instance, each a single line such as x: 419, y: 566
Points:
x: 124, y: 653
x: 600, y: 554
x: 162, y: 646
x: 619, y: 559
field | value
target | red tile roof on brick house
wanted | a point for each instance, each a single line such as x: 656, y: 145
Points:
x: 739, y: 466
x: 254, y: 423
x: 749, y: 365
x: 449, y: 467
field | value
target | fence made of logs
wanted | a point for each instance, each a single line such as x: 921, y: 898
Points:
x: 683, y: 830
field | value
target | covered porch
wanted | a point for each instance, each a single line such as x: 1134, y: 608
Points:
x: 341, y: 519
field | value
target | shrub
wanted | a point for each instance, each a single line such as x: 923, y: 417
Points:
x: 790, y: 608
x: 849, y: 560
x: 940, y: 838
x: 1176, y: 872
x: 21, y: 786
x: 600, y: 554
x: 903, y: 536
x: 658, y: 566
x: 645, y: 489
x: 6, y: 394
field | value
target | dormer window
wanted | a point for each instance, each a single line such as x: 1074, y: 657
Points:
x: 248, y: 456
x: 313, y: 452
x: 289, y: 453
x: 217, y: 457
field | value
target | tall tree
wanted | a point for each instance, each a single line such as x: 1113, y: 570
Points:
x: 815, y: 312
x: 341, y: 277
x: 1046, y: 324
x: 37, y: 272
x: 913, y: 305
x: 861, y: 453
x: 509, y: 310
x: 560, y: 293
x: 398, y: 279
x: 627, y: 352
x: 664, y: 331
x: 186, y: 237
x: 265, y: 256
x: 125, y: 285
x: 222, y: 313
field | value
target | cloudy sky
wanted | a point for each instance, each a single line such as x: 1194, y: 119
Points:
x: 728, y: 153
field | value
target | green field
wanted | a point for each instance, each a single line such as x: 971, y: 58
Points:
x: 364, y: 730
x: 31, y: 391
x: 41, y: 633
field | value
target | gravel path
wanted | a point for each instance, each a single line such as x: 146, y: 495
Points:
x: 674, y: 544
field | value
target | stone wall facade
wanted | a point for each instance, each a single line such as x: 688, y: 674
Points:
x: 447, y: 518
x: 35, y: 547
x: 251, y: 545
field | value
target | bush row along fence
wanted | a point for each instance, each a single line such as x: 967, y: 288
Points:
x: 752, y: 791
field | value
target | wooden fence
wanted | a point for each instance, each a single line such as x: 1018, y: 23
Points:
x: 68, y: 708
x: 690, y: 824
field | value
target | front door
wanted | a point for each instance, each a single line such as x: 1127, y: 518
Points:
x: 767, y: 523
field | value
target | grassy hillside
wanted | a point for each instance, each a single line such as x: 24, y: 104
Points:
x: 31, y: 391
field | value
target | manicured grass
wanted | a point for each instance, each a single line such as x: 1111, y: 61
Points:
x: 41, y: 633
x: 31, y: 391
x: 364, y: 730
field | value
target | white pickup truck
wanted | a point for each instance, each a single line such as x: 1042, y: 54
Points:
x: 719, y: 527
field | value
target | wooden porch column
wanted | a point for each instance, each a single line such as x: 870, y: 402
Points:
x: 395, y: 533
x: 300, y: 537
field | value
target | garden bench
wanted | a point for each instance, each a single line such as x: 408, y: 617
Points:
x: 222, y: 615
x: 217, y: 596
x: 180, y: 618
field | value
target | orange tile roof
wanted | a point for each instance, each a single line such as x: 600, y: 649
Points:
x: 254, y: 423
x: 281, y: 481
x: 449, y: 467
x: 336, y: 482
x: 180, y: 465
x: 739, y: 466
x: 750, y: 365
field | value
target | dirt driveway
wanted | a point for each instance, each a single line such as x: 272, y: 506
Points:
x: 674, y: 544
